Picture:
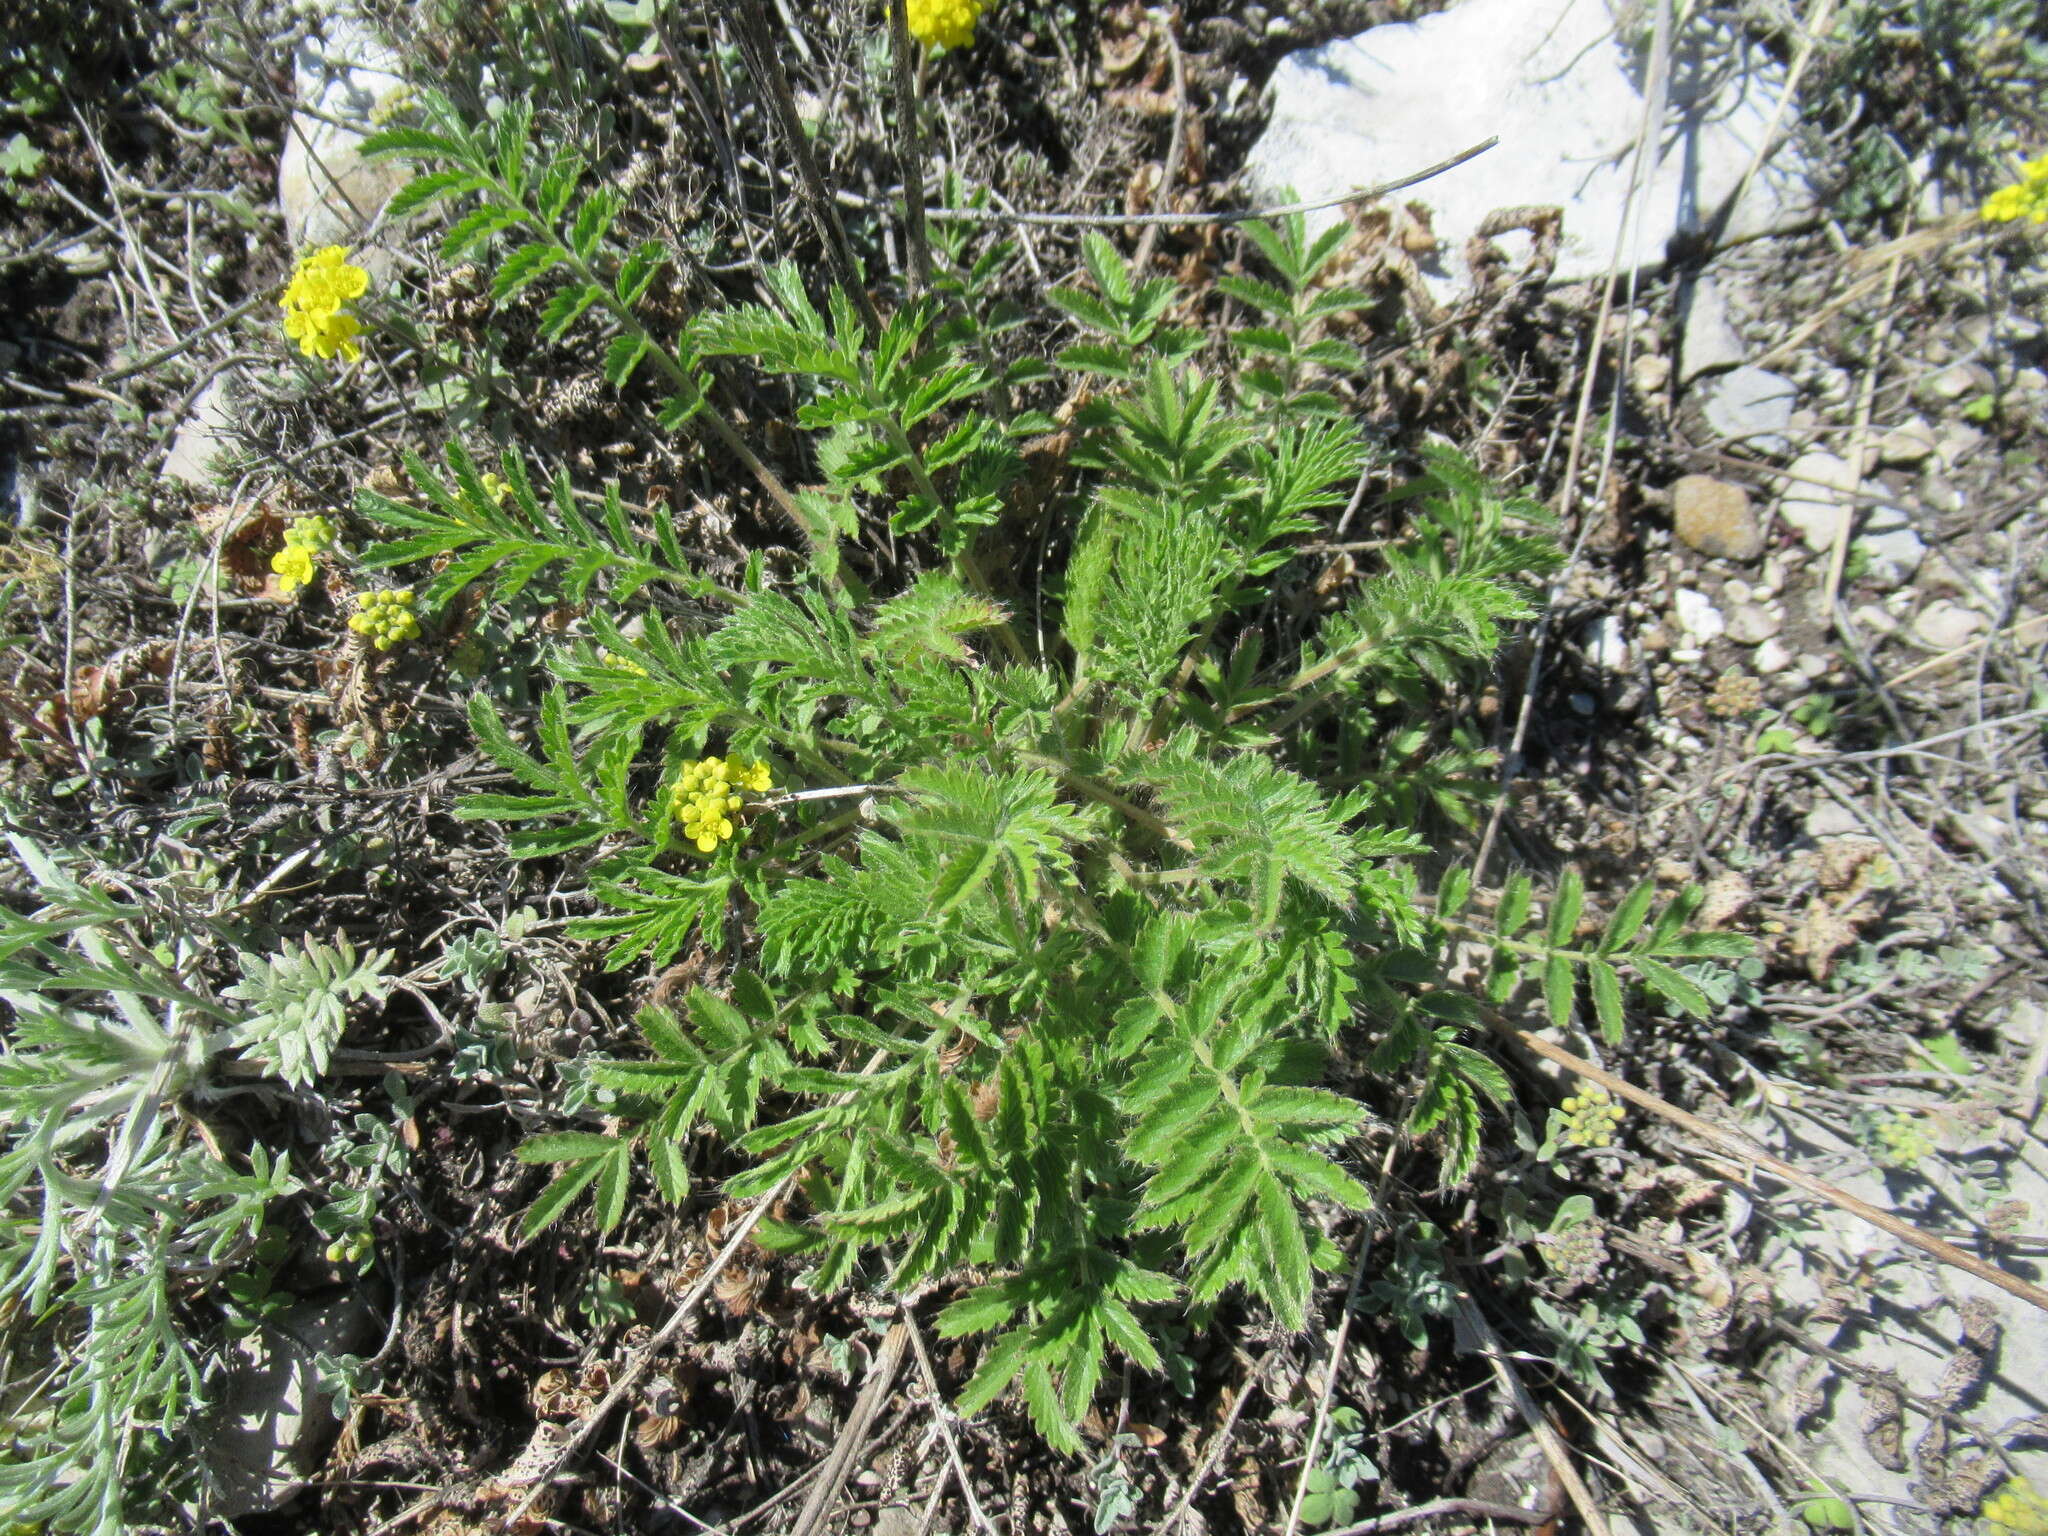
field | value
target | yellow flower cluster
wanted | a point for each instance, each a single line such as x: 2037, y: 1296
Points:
x: 2018, y: 1508
x: 304, y: 537
x: 942, y: 23
x: 2025, y: 199
x: 1590, y: 1119
x: 612, y: 661
x: 497, y: 487
x: 709, y: 791
x: 1901, y: 1143
x: 393, y: 105
x: 313, y: 302
x: 385, y: 618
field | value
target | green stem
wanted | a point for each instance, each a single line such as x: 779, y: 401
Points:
x: 664, y: 359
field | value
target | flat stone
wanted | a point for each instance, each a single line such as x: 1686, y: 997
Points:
x: 1878, y: 623
x: 1820, y: 490
x: 1828, y: 819
x: 327, y: 191
x: 1960, y: 380
x: 1946, y: 624
x: 198, y: 437
x: 1606, y: 643
x: 1709, y: 341
x: 1771, y: 658
x: 273, y: 1420
x: 1752, y: 624
x: 1751, y: 407
x: 1957, y: 442
x: 1909, y: 443
x: 1938, y: 493
x: 1553, y: 81
x: 1914, y: 1333
x: 1648, y: 374
x: 1715, y: 517
x: 1892, y: 547
x: 1697, y: 615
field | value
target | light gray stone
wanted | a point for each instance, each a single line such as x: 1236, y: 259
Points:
x: 1912, y: 1331
x: 1753, y: 623
x: 1946, y: 624
x: 1709, y: 341
x: 1552, y: 80
x: 1892, y: 547
x: 1820, y: 490
x: 1606, y: 643
x: 1909, y: 443
x: 1829, y: 819
x: 273, y: 1421
x: 1958, y: 440
x: 1960, y: 380
x: 1751, y: 407
x: 327, y: 191
x: 1771, y: 658
x: 198, y: 437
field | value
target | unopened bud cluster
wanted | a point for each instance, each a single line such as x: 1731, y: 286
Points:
x: 385, y: 618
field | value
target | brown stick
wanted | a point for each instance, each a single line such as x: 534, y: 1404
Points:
x: 839, y: 1465
x: 1741, y: 1147
x: 1547, y: 1439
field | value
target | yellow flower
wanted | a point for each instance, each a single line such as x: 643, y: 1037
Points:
x: 708, y: 791
x: 943, y: 23
x: 385, y: 618
x: 313, y: 314
x: 2025, y: 199
x: 1590, y: 1119
x: 497, y: 487
x: 294, y: 567
x: 303, y: 537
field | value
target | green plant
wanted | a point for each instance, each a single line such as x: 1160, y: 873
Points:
x: 299, y: 1004
x: 110, y: 1203
x: 1043, y: 941
x: 1330, y: 1494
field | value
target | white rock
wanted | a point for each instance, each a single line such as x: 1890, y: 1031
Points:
x: 1752, y: 624
x: 1915, y: 1333
x: 1607, y: 643
x: 1891, y: 547
x: 1910, y: 442
x: 1875, y: 622
x: 1813, y: 666
x: 1945, y: 624
x: 1751, y: 407
x: 1829, y: 819
x: 1957, y: 442
x: 273, y: 1420
x: 1697, y: 615
x: 327, y: 191
x: 1771, y: 658
x: 1709, y: 341
x: 1960, y: 379
x: 1550, y: 79
x: 198, y: 437
x: 1820, y: 488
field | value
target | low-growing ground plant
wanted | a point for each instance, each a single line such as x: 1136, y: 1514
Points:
x: 1053, y: 845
